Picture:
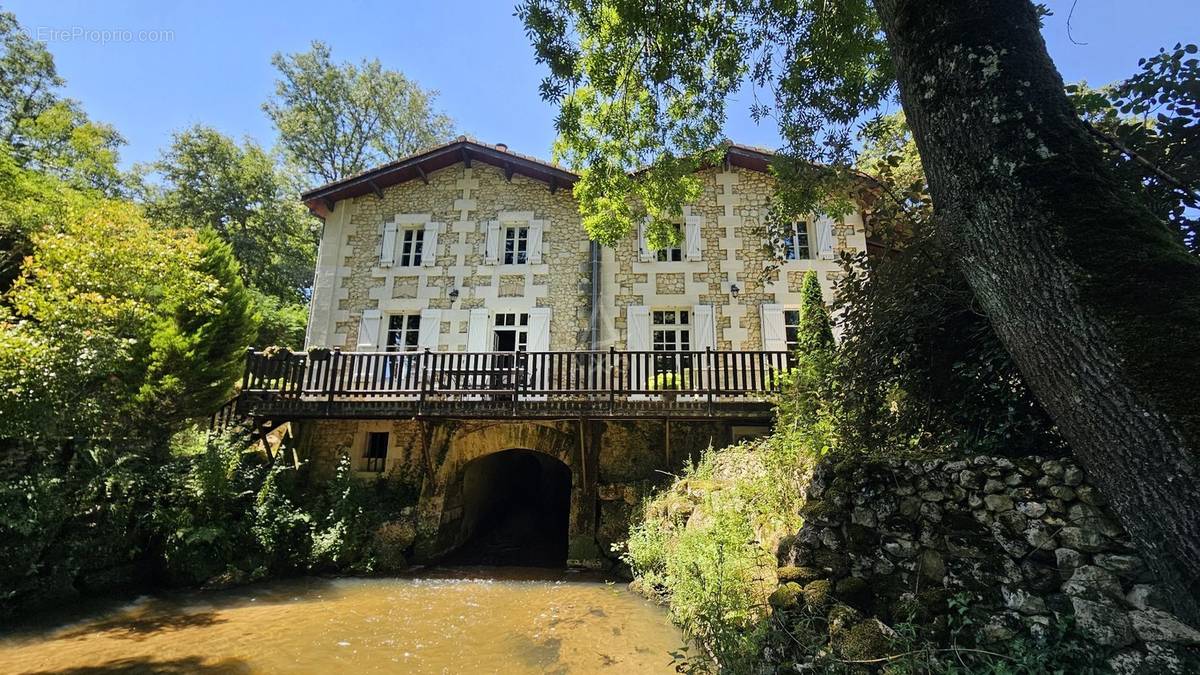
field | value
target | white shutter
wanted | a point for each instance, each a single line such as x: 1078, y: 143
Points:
x: 491, y: 251
x: 704, y: 335
x: 387, y: 248
x: 477, y: 330
x: 536, y: 227
x: 429, y: 245
x: 539, y: 329
x: 774, y: 337
x: 644, y: 251
x: 637, y: 326
x: 824, y: 228
x: 430, y: 329
x: 368, y: 330
x: 691, y: 237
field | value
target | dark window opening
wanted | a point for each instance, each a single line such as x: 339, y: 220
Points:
x: 375, y: 455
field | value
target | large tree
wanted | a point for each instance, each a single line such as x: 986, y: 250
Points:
x: 41, y: 129
x: 1095, y: 298
x: 207, y: 180
x: 337, y: 119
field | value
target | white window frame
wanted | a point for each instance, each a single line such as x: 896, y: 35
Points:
x: 679, y: 326
x: 408, y: 328
x: 518, y: 236
x: 797, y: 241
x: 791, y: 330
x: 672, y: 253
x: 517, y: 322
x: 411, y: 241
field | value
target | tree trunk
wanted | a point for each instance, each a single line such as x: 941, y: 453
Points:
x: 1095, y: 299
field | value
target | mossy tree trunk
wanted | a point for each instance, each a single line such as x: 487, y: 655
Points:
x: 1097, y: 301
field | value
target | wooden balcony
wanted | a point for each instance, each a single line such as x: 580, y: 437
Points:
x: 529, y: 385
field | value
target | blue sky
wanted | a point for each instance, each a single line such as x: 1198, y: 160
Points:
x: 215, y: 69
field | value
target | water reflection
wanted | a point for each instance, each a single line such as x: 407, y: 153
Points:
x: 446, y: 621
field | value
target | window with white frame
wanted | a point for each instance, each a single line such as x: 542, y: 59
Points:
x: 511, y: 332
x: 671, y: 330
x: 412, y: 243
x: 791, y: 329
x: 795, y: 242
x: 516, y: 245
x: 672, y: 253
x: 402, y: 332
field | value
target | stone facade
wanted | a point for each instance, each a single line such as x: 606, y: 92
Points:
x: 457, y: 203
x: 1027, y: 542
x: 613, y: 465
x: 735, y: 249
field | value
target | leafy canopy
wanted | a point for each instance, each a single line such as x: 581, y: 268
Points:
x: 646, y: 85
x: 210, y: 181
x: 335, y: 120
x: 41, y: 129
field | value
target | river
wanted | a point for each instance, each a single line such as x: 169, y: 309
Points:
x: 465, y: 620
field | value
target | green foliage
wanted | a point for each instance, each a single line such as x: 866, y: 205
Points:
x: 209, y: 181
x: 335, y: 120
x: 280, y: 323
x: 1150, y: 123
x: 805, y: 406
x: 45, y: 132
x: 669, y: 381
x: 199, y: 351
x: 707, y: 544
x: 645, y: 87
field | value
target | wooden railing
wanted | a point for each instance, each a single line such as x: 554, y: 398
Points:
x: 529, y: 376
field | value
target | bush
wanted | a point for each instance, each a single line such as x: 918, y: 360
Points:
x: 669, y: 381
x: 707, y: 543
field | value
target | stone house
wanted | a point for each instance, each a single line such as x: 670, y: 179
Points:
x: 459, y: 285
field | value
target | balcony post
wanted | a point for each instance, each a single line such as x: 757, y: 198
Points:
x: 424, y: 375
x: 708, y: 384
x: 246, y: 372
x: 612, y: 378
x: 515, y: 369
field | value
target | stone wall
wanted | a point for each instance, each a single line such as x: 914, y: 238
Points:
x: 1029, y: 542
x: 613, y: 465
x: 459, y: 200
x: 735, y: 249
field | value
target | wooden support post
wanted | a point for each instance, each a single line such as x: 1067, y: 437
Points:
x: 667, y: 439
x: 429, y: 467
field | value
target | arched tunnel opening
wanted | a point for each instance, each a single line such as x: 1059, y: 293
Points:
x: 516, y: 511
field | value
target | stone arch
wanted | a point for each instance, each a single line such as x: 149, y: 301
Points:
x: 442, y: 501
x: 482, y: 440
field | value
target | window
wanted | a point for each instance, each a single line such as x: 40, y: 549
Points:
x: 375, y: 453
x: 402, y: 332
x: 672, y: 254
x: 412, y: 241
x: 671, y: 332
x: 791, y: 329
x: 795, y: 244
x: 516, y: 245
x: 511, y: 333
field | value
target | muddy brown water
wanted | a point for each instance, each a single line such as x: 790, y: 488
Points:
x: 446, y: 621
